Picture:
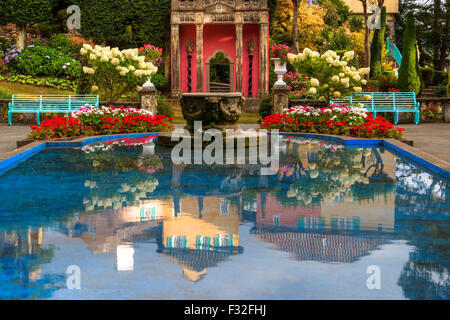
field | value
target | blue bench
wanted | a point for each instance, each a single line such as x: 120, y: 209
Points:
x: 394, y: 102
x: 49, y: 104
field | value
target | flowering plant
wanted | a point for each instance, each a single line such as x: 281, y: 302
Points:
x: 152, y: 53
x: 301, y: 86
x: 8, y: 59
x: 280, y: 51
x: 331, y: 73
x: 100, y: 121
x: 370, y: 89
x: 115, y: 72
x: 334, y: 119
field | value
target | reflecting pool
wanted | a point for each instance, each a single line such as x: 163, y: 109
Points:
x: 120, y: 220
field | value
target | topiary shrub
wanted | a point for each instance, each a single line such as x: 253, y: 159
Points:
x: 408, y: 75
x: 164, y: 107
x: 377, y: 46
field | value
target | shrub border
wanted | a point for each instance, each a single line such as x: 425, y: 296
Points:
x: 421, y: 159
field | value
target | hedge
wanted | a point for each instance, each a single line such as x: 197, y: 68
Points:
x: 126, y: 23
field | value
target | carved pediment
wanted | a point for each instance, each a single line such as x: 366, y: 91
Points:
x: 219, y: 6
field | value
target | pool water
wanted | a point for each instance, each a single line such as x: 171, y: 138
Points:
x: 119, y: 220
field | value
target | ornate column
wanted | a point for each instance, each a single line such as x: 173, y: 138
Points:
x: 263, y: 59
x: 176, y: 57
x: 189, y: 50
x: 239, y: 57
x: 250, y: 50
x: 199, y: 49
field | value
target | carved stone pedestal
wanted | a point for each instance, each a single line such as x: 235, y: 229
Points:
x: 280, y: 98
x: 148, y: 99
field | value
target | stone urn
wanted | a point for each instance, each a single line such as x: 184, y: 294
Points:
x: 280, y: 71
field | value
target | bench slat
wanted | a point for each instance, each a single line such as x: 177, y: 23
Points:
x: 49, y: 104
x: 385, y: 102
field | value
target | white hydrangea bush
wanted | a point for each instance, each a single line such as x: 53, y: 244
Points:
x: 115, y: 72
x: 330, y: 75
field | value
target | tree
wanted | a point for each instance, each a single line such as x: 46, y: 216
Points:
x: 309, y: 30
x: 377, y: 46
x: 337, y: 12
x: 445, y: 38
x: 436, y: 38
x: 366, y: 34
x: 296, y: 5
x: 365, y: 4
x: 432, y: 30
x: 25, y: 12
x: 408, y: 75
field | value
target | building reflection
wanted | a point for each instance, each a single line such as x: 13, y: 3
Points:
x: 22, y: 257
x: 193, y: 232
x: 329, y: 204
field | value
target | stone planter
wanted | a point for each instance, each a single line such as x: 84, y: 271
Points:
x: 280, y: 71
x: 212, y: 108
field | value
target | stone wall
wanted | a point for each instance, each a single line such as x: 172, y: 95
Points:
x: 9, y: 32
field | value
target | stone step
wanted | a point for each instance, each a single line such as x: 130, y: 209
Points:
x: 174, y: 102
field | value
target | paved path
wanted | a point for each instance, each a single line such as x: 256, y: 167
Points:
x: 9, y: 136
x: 433, y: 138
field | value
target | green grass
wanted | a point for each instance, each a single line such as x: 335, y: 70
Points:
x: 18, y: 88
x: 4, y: 94
x: 249, y: 117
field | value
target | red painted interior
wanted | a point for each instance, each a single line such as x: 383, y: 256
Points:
x: 217, y: 37
x: 223, y: 37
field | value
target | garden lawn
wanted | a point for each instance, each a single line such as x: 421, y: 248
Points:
x: 18, y: 88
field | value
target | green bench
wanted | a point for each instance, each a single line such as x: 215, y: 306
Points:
x: 394, y: 102
x: 49, y: 104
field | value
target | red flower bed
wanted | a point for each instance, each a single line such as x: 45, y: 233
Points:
x: 370, y: 89
x: 377, y: 128
x: 363, y: 126
x: 101, y: 124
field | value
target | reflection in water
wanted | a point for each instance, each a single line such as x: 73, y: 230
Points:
x: 424, y: 198
x: 22, y: 256
x: 326, y: 204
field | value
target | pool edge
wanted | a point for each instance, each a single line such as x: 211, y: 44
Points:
x: 425, y: 160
